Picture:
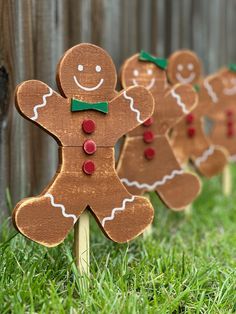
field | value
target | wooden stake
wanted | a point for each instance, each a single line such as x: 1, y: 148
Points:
x: 81, y: 243
x: 226, y: 181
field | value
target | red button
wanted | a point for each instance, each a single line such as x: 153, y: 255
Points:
x: 148, y: 122
x: 230, y: 132
x: 89, y: 167
x: 88, y: 126
x: 189, y: 118
x: 191, y: 132
x: 229, y: 113
x: 89, y: 147
x: 149, y: 153
x: 229, y: 124
x: 148, y: 136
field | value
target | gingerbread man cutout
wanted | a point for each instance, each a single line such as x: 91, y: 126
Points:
x: 86, y: 122
x: 147, y: 161
x: 189, y: 140
x: 223, y: 116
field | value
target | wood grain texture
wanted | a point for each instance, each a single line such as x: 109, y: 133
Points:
x: 147, y: 161
x: 85, y: 178
x: 189, y: 140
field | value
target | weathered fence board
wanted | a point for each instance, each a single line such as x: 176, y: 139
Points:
x: 33, y: 35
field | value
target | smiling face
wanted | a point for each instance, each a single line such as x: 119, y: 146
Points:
x: 184, y: 67
x: 86, y: 72
x: 229, y: 82
x: 142, y: 73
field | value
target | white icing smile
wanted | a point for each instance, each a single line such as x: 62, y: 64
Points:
x: 149, y: 86
x: 88, y: 89
x: 230, y: 91
x: 185, y: 80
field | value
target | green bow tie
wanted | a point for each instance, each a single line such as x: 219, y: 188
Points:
x: 232, y: 67
x: 161, y: 63
x: 77, y: 105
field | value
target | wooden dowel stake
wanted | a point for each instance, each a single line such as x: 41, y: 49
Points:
x: 226, y: 181
x: 149, y: 229
x: 81, y: 243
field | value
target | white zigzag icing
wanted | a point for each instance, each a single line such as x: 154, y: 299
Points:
x: 232, y: 158
x: 131, y: 100
x: 155, y: 184
x: 114, y: 210
x: 35, y: 117
x: 179, y: 101
x: 205, y: 155
x: 63, y: 210
x: 210, y: 91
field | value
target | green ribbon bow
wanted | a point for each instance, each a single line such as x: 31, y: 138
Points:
x: 78, y: 105
x: 161, y: 63
x: 232, y: 67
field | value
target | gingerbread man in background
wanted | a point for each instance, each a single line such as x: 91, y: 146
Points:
x: 223, y: 131
x: 147, y: 161
x: 189, y: 140
x: 86, y: 121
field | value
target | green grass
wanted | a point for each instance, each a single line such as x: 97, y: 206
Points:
x: 187, y: 265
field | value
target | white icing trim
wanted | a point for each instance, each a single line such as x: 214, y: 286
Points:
x: 63, y: 210
x: 131, y: 100
x: 230, y: 91
x: 114, y: 210
x: 205, y: 155
x: 232, y: 158
x: 88, y: 89
x: 186, y: 80
x: 149, y: 86
x: 210, y: 91
x: 155, y: 184
x: 36, y: 107
x: 179, y: 102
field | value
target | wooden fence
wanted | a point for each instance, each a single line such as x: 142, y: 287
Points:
x: 34, y: 34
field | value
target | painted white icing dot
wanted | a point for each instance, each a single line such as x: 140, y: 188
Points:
x: 180, y: 67
x: 135, y: 72
x: 190, y: 66
x: 149, y: 71
x: 80, y: 67
x: 98, y: 68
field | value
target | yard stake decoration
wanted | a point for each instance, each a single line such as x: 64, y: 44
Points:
x: 223, y: 120
x: 86, y: 120
x: 189, y: 140
x: 147, y: 162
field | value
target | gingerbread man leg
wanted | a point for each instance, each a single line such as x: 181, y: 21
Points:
x: 122, y: 216
x: 210, y: 160
x: 48, y: 218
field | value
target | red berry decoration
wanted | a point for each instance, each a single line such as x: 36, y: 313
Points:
x: 89, y: 147
x: 148, y: 122
x: 190, y: 118
x: 148, y: 136
x: 191, y: 132
x: 88, y: 126
x: 89, y: 167
x: 149, y: 153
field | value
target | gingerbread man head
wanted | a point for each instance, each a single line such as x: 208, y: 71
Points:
x: 228, y: 76
x: 144, y: 70
x: 184, y: 67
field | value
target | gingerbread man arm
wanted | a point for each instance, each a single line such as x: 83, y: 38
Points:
x: 130, y: 108
x: 37, y: 102
x: 178, y: 102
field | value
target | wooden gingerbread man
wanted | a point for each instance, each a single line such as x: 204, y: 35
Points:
x: 86, y: 121
x: 223, y: 116
x: 147, y: 161
x: 189, y: 140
